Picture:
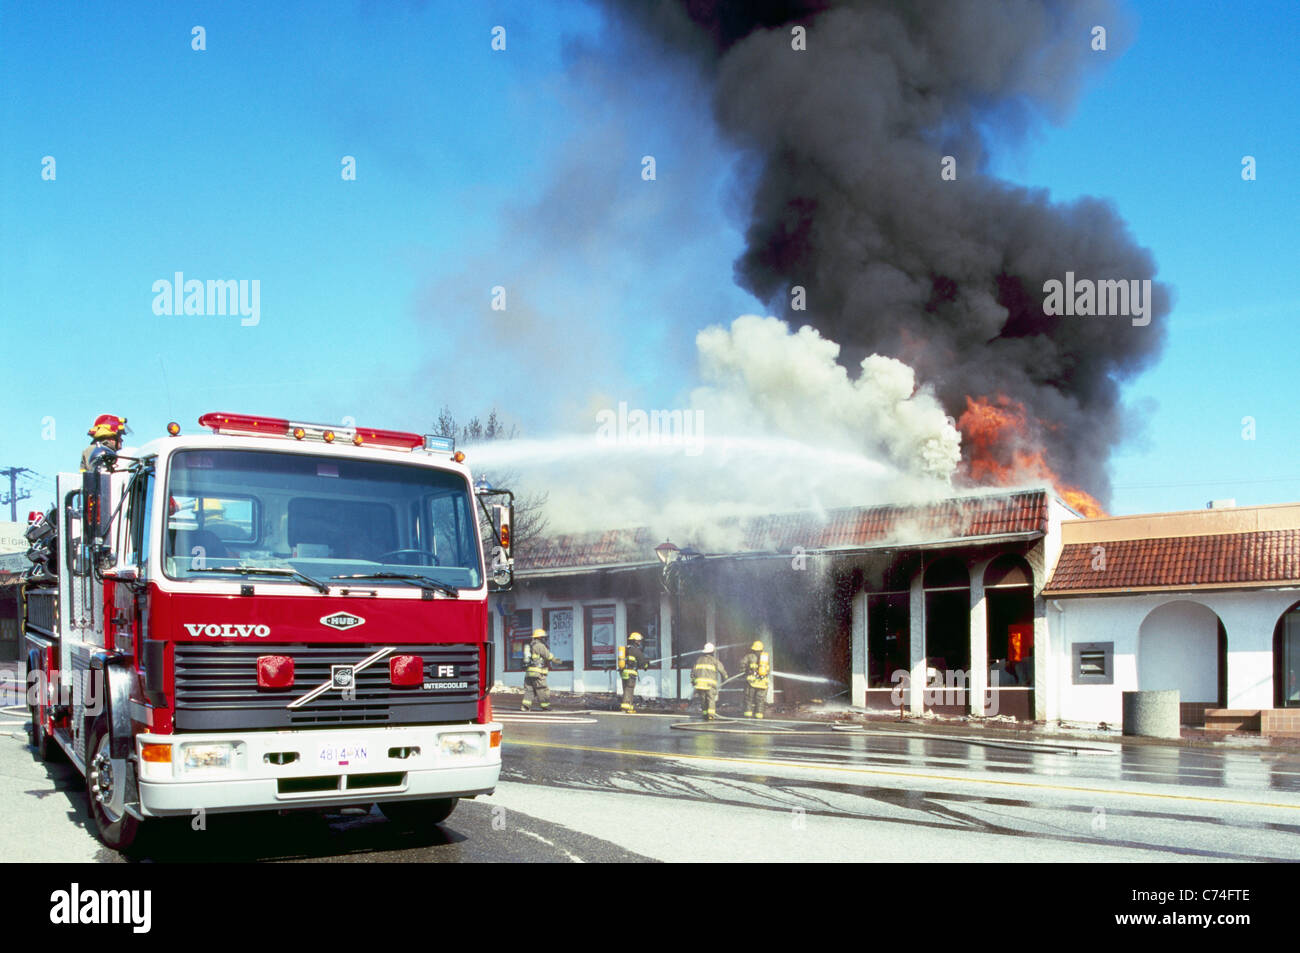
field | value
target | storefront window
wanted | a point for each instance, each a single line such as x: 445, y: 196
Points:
x: 643, y: 617
x: 558, y: 623
x: 889, y: 647
x: 519, y: 630
x: 599, y: 624
x: 1291, y: 661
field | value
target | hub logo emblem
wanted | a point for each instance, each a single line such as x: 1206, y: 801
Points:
x: 342, y: 621
x: 342, y: 676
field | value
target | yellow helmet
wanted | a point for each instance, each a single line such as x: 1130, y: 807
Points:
x: 539, y: 633
x: 756, y: 647
x: 634, y: 637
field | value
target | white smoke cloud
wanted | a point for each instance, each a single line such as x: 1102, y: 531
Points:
x: 762, y: 378
x: 775, y: 426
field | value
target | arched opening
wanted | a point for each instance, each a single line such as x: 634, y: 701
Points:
x: 1009, y: 610
x: 1286, y: 659
x: 947, y: 635
x: 1183, y: 645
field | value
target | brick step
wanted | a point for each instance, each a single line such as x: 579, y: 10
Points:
x: 1232, y: 719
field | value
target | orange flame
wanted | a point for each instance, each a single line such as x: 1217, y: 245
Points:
x: 999, y: 439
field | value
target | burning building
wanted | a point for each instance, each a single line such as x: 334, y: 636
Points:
x: 1004, y: 603
x: 870, y: 605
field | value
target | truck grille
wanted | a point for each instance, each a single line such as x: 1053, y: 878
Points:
x: 42, y: 611
x: 216, y: 688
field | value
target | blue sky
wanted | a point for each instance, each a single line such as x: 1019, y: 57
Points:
x: 375, y: 293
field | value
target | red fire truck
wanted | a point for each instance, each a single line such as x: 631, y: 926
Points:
x: 269, y: 615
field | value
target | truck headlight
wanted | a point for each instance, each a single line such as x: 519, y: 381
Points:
x: 207, y: 757
x: 468, y: 744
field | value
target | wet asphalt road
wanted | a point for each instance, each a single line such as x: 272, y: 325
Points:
x: 606, y: 787
x: 809, y: 792
x: 884, y: 746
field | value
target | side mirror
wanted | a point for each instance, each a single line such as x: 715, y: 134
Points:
x: 500, y: 518
x: 504, y: 515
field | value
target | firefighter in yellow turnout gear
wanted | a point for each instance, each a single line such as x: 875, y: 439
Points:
x: 106, y: 431
x: 706, y: 678
x: 537, y: 663
x: 630, y: 661
x: 757, y: 666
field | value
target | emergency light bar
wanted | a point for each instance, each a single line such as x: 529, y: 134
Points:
x: 279, y: 427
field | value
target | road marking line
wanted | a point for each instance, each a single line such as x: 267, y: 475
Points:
x: 820, y: 766
x: 573, y: 858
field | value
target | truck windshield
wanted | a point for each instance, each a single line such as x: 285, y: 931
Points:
x: 323, y: 516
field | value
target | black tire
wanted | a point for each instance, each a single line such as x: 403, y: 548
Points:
x: 45, y: 747
x: 120, y: 833
x: 423, y: 815
x: 41, y: 742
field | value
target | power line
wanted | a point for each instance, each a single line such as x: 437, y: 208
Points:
x: 13, y: 473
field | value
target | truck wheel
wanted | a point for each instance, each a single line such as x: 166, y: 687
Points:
x: 41, y: 742
x: 422, y: 815
x: 118, y: 831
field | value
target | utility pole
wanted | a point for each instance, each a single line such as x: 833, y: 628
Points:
x: 13, y: 473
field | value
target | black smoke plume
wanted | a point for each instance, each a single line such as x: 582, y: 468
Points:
x: 843, y: 144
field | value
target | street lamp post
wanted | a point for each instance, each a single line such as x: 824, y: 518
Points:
x: 672, y: 558
x: 668, y: 555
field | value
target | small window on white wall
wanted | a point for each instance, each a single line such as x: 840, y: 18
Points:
x: 1094, y: 663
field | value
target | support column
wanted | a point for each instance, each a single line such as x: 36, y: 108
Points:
x: 666, y: 645
x: 1047, y: 673
x: 620, y: 638
x: 978, y: 678
x: 916, y: 691
x: 858, y: 649
x: 769, y: 642
x: 578, y: 680
x: 1045, y: 701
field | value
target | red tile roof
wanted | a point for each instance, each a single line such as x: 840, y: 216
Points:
x: 847, y: 528
x: 1233, y: 559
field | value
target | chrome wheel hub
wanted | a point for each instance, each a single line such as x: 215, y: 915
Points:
x: 101, y: 780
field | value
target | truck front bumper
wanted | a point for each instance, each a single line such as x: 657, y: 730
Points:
x: 266, y: 770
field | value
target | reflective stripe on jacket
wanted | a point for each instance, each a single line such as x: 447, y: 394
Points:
x: 539, y: 658
x: 635, y: 659
x: 708, y: 673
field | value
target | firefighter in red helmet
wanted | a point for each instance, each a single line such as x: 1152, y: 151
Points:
x: 106, y: 431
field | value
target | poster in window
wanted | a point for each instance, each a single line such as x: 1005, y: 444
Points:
x: 559, y: 625
x: 519, y: 630
x: 644, y: 618
x: 600, y: 636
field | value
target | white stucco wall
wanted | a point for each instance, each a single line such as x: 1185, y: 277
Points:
x: 1180, y: 646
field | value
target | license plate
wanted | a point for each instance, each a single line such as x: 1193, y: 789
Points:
x: 341, y: 756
